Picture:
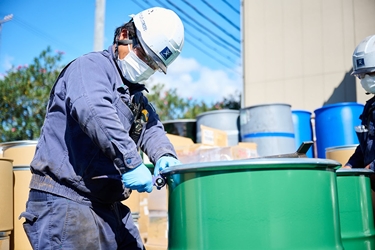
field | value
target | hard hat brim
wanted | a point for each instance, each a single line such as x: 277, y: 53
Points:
x: 363, y: 70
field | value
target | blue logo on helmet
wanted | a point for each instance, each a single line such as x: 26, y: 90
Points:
x: 165, y: 53
x: 360, y: 62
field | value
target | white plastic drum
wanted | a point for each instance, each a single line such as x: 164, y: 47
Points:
x: 22, y: 153
x: 224, y: 119
x: 270, y: 126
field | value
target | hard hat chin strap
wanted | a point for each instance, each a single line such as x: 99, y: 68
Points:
x: 124, y: 42
x: 121, y: 42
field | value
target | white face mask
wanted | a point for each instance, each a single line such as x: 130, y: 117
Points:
x: 134, y: 69
x: 368, y: 83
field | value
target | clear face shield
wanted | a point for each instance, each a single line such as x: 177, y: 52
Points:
x: 150, y: 54
x: 141, y: 53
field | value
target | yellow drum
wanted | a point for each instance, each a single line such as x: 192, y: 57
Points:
x: 22, y: 153
x: 6, y: 195
x: 4, y: 240
x: 6, y: 202
x: 341, y: 153
x: 133, y: 202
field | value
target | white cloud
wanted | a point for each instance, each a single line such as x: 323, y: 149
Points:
x: 193, y: 80
x: 7, y: 63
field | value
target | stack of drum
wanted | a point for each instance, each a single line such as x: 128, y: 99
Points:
x: 21, y: 153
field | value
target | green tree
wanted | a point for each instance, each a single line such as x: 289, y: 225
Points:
x: 172, y: 107
x: 25, y: 91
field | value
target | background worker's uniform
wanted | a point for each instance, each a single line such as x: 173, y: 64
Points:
x: 365, y: 152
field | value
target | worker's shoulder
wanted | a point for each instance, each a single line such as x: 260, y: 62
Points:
x: 97, y: 55
x: 94, y: 58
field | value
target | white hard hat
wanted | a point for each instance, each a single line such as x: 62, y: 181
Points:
x: 161, y: 34
x: 364, y: 56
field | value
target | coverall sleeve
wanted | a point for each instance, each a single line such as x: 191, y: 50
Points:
x: 92, y: 103
x: 356, y: 160
x: 154, y: 141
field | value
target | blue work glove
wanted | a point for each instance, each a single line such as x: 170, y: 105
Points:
x: 164, y: 162
x: 138, y: 178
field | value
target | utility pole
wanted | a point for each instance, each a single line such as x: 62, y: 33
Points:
x: 4, y: 20
x: 99, y: 25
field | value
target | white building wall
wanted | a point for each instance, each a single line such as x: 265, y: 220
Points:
x: 299, y: 51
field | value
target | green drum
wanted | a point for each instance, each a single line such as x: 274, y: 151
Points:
x: 356, y: 211
x: 274, y: 203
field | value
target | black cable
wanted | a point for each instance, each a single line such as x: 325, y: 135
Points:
x: 40, y: 33
x: 216, y: 25
x: 199, y: 39
x: 209, y: 47
x: 137, y: 3
x: 207, y: 30
x: 216, y: 41
x: 219, y: 61
x: 230, y: 6
x: 220, y: 14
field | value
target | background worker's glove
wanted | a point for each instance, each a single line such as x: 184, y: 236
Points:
x: 164, y: 162
x: 138, y: 178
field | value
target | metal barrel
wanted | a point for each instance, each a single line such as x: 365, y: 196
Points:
x: 268, y: 203
x: 224, y: 119
x: 356, y: 211
x: 334, y: 125
x: 182, y: 127
x: 270, y: 126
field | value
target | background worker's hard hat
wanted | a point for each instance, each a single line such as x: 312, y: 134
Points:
x: 161, y: 34
x: 364, y: 56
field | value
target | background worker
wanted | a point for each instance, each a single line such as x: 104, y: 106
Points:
x: 364, y: 69
x: 87, y: 159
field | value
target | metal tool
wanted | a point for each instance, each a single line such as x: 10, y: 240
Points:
x: 300, y: 153
x: 159, y: 181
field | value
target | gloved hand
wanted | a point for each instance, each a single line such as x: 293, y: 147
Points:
x: 164, y: 162
x: 138, y: 178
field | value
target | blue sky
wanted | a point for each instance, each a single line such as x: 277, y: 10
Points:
x: 209, y: 67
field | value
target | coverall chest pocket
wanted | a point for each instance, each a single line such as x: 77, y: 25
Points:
x: 123, y: 111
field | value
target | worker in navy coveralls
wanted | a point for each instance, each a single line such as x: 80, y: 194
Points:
x: 87, y: 158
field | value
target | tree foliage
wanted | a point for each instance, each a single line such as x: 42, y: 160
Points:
x: 172, y: 107
x: 25, y: 91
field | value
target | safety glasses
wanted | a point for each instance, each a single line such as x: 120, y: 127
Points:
x: 362, y: 75
x: 140, y: 52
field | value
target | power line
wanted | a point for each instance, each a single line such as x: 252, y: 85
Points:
x: 192, y: 35
x: 208, y: 31
x: 219, y: 61
x: 217, y: 26
x: 220, y: 14
x: 40, y: 33
x: 209, y: 47
x: 230, y: 6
